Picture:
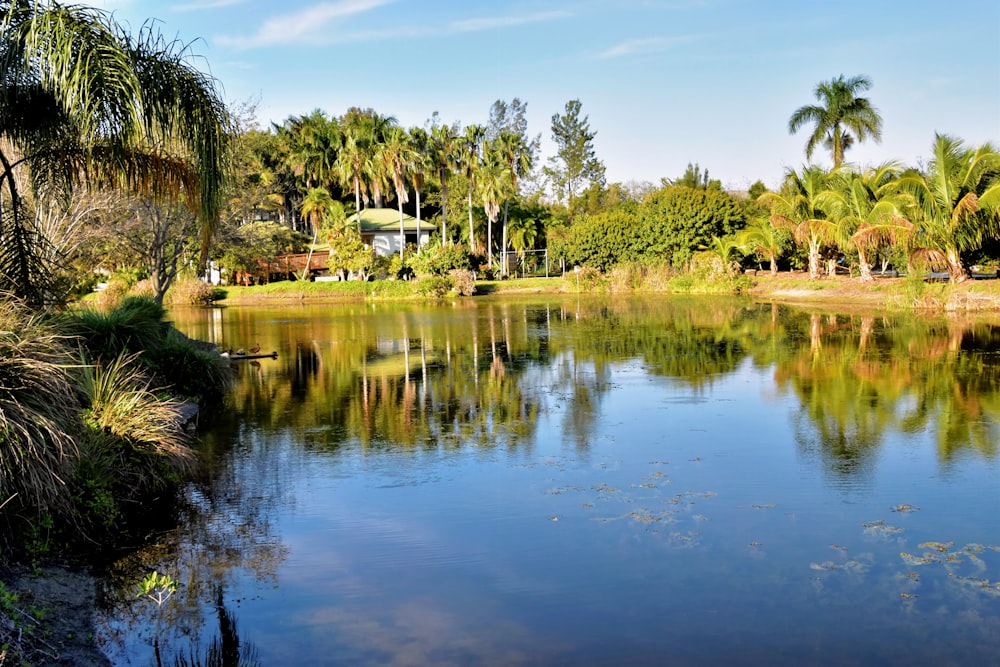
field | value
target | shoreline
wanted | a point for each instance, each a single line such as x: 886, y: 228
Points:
x: 895, y: 294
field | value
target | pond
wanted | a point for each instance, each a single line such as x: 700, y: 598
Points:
x: 584, y: 481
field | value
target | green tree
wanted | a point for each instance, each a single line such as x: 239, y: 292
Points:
x: 471, y: 147
x: 868, y: 207
x: 840, y: 119
x: 316, y: 207
x: 494, y: 187
x: 958, y: 202
x: 354, y: 161
x: 797, y: 206
x: 694, y: 177
x: 575, y: 162
x: 82, y: 101
x: 444, y: 156
x: 765, y: 240
x: 420, y: 165
x: 517, y: 155
x: 397, y: 157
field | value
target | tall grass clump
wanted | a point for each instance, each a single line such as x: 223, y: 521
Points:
x: 134, y: 325
x: 38, y: 412
x: 133, y: 448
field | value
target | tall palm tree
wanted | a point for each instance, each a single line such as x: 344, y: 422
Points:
x: 471, y: 159
x: 494, y: 187
x: 444, y: 156
x: 797, y: 207
x: 82, y: 102
x: 315, y: 141
x: 868, y: 208
x: 958, y: 202
x: 397, y: 155
x: 420, y: 165
x: 518, y: 156
x: 353, y: 165
x: 841, y: 118
x: 316, y: 207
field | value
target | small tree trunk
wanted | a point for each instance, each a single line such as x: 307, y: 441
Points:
x: 956, y: 272
x: 813, y: 261
x: 865, y: 267
x: 774, y: 265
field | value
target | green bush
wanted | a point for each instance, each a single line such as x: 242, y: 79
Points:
x: 439, y: 261
x: 187, y: 369
x: 435, y: 286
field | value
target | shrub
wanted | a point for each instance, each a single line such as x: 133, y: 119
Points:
x: 435, y: 286
x: 187, y: 369
x: 134, y: 325
x: 190, y: 291
x: 38, y: 411
x: 464, y: 281
x: 440, y: 261
x: 584, y: 279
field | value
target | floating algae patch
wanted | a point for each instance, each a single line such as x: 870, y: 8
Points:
x: 880, y: 528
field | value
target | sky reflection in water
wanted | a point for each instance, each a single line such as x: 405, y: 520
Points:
x: 591, y: 483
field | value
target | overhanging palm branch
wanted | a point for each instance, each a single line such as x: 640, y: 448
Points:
x: 82, y: 102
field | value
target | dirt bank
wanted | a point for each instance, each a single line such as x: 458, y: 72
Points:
x: 51, y: 621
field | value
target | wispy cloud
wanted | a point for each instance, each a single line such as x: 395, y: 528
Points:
x: 309, y: 25
x: 634, y: 47
x: 199, y: 5
x: 312, y: 25
x: 496, y: 22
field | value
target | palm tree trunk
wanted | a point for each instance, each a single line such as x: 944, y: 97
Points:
x: 813, y: 260
x: 472, y: 238
x: 357, y: 204
x: 402, y: 234
x: 956, y: 272
x: 774, y: 265
x: 444, y: 212
x: 864, y: 266
x: 503, y: 250
x: 418, y: 222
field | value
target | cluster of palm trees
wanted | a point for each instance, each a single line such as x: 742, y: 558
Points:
x: 371, y: 157
x: 940, y: 216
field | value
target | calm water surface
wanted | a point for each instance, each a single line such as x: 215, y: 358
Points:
x: 585, y: 482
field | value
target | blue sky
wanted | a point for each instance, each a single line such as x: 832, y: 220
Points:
x: 664, y: 82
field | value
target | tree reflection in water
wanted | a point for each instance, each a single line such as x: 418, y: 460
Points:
x: 366, y: 379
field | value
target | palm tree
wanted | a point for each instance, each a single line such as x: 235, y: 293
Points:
x: 868, y: 207
x: 316, y: 208
x: 797, y: 207
x: 760, y: 237
x: 444, y: 157
x: 471, y: 159
x: 841, y: 119
x: 397, y: 155
x: 82, y: 102
x: 958, y: 202
x: 494, y: 187
x: 517, y: 154
x: 420, y: 165
x: 353, y: 165
x: 315, y: 141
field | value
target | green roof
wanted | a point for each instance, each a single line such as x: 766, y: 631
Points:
x: 387, y: 220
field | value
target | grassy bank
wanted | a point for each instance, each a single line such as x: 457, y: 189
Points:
x: 794, y: 287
